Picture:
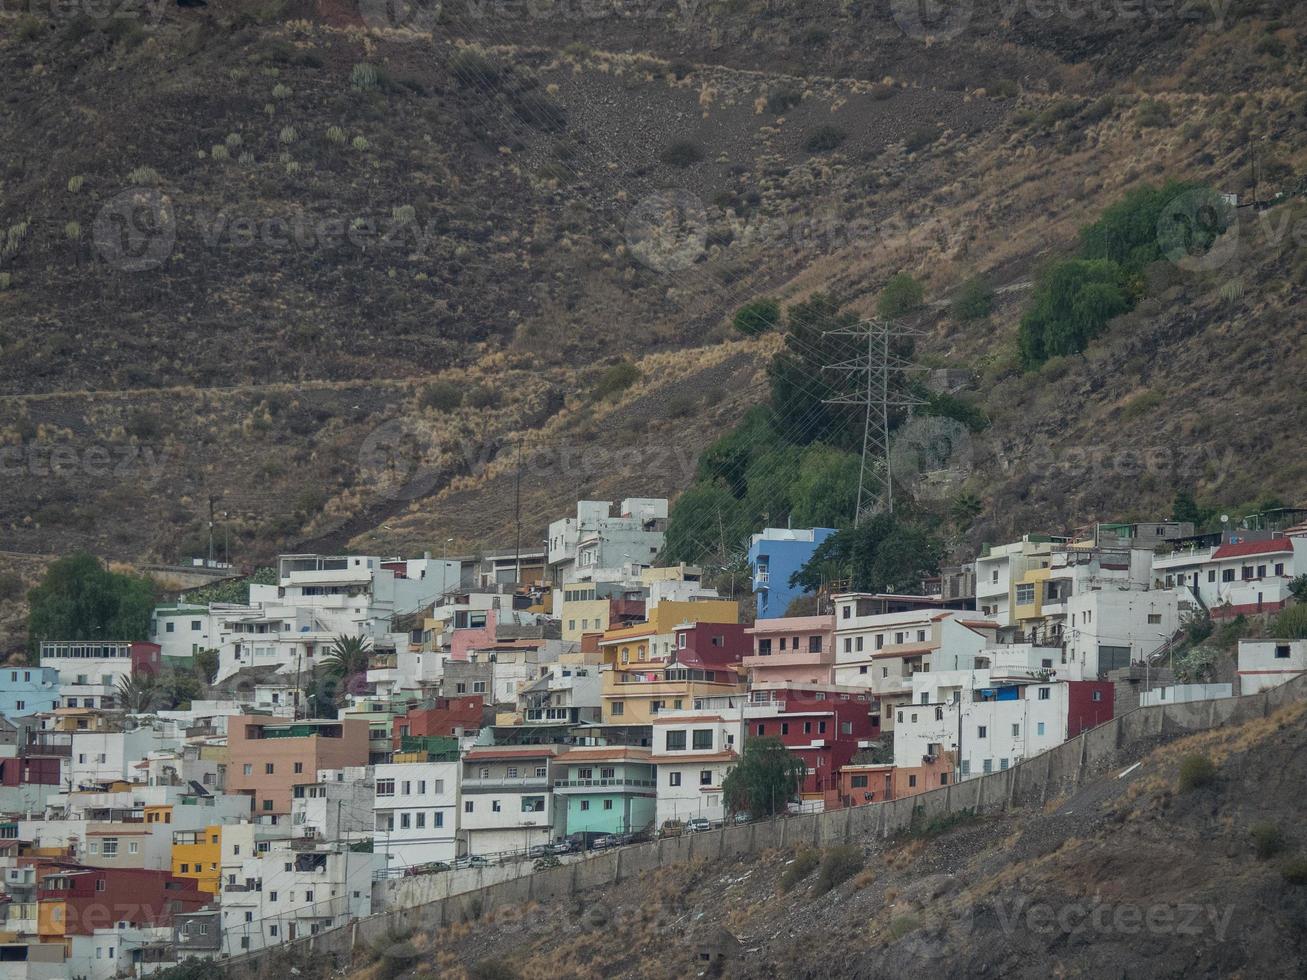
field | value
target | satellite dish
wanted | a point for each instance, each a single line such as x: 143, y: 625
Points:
x: 1225, y: 518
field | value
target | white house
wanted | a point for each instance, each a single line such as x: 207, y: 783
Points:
x: 999, y: 567
x: 1269, y: 663
x: 583, y: 546
x: 1240, y: 574
x: 506, y: 798
x: 1108, y: 629
x: 338, y: 806
x: 416, y: 812
x: 693, y: 751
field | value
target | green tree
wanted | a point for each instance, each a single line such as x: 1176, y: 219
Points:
x: 1185, y: 508
x: 902, y: 295
x: 767, y: 777
x: 349, y: 655
x: 1072, y: 303
x: 139, y: 694
x: 206, y: 664
x: 1298, y: 588
x: 881, y: 555
x: 757, y: 317
x: 825, y: 488
x: 80, y: 599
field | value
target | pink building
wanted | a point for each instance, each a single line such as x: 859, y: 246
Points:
x: 476, y: 635
x: 792, y: 650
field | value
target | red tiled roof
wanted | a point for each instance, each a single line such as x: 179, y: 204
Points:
x: 506, y: 751
x: 690, y: 759
x: 1245, y: 548
x: 904, y: 650
x: 598, y: 753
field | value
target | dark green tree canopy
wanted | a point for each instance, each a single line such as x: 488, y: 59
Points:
x: 80, y: 599
x: 767, y: 777
x: 880, y: 555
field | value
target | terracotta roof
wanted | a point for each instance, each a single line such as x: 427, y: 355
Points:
x: 598, y: 753
x: 507, y: 751
x: 978, y: 624
x: 690, y: 759
x: 793, y: 624
x: 1245, y: 548
x: 904, y: 650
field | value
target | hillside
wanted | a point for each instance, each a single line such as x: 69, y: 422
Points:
x: 249, y: 250
x: 1136, y: 874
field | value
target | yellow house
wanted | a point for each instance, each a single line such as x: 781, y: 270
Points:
x: 158, y: 813
x: 652, y: 639
x: 1028, y: 598
x: 197, y: 854
x: 634, y: 693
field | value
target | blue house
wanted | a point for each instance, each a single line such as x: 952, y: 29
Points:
x: 776, y: 554
x: 24, y: 690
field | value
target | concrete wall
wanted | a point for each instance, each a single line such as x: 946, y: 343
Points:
x: 443, y: 899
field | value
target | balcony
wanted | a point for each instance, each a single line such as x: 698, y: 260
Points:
x: 519, y: 784
x: 761, y: 578
x: 586, y: 785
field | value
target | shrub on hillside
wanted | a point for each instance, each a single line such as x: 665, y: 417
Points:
x: 442, y: 396
x: 974, y: 301
x: 1072, y: 304
x: 783, y: 100
x: 826, y: 138
x: 804, y: 864
x: 757, y: 317
x: 901, y: 296
x: 682, y: 153
x: 617, y: 379
x: 838, y: 865
x: 11, y: 585
x: 1196, y: 771
x: 1291, y: 624
x: 471, y: 68
x: 483, y: 396
x: 921, y: 138
x: 1295, y: 871
x: 1268, y: 840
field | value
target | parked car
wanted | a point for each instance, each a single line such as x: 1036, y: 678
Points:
x: 471, y: 861
x: 607, y: 840
x: 743, y: 817
x: 698, y: 825
x: 563, y: 846
x: 671, y: 828
x: 537, y: 850
x: 431, y: 867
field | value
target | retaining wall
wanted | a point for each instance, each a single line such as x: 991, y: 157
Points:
x: 441, y: 899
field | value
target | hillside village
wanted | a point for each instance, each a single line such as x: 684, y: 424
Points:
x: 370, y: 721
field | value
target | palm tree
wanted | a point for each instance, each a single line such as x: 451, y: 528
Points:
x: 349, y: 655
x: 138, y: 693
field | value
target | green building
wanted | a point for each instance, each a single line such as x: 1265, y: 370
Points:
x: 609, y: 790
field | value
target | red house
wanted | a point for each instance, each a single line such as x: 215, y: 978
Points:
x: 76, y: 900
x: 440, y: 716
x: 711, y: 646
x: 823, y: 728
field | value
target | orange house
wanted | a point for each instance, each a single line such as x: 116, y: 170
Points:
x: 269, y: 755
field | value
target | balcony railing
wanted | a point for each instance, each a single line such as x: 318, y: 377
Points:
x: 604, y: 783
x: 512, y: 784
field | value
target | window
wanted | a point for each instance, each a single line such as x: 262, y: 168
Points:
x: 703, y: 738
x: 419, y: 820
x: 133, y: 847
x: 764, y: 648
x: 846, y: 612
x: 858, y: 782
x: 898, y: 638
x: 761, y: 728
x: 541, y: 773
x: 862, y: 669
x: 982, y: 731
x: 1227, y: 575
x: 1016, y: 730
x: 1154, y: 619
x: 437, y: 819
x: 533, y: 804
x: 467, y: 806
x: 880, y: 640
x: 848, y: 644
x: 478, y: 687
x: 1045, y: 693
x: 385, y: 787
x: 512, y: 774
x: 1002, y: 763
x: 1279, y: 568
x: 1098, y: 695
x: 109, y: 847
x: 246, y: 770
x: 966, y: 767
x: 1039, y: 728
x: 912, y: 780
x: 585, y: 804
x: 619, y: 708
x: 1211, y: 575
x: 99, y: 882
x: 585, y: 774
x: 169, y: 627
x: 675, y: 741
x: 858, y: 644
x: 405, y: 822
x: 495, y: 807
x: 267, y: 804
x: 989, y: 765
x: 299, y: 767
x: 673, y: 779
x: 1025, y: 594
x: 269, y: 768
x: 422, y: 787
x: 814, y: 644
x: 608, y: 772
x: 943, y: 779
x: 608, y: 804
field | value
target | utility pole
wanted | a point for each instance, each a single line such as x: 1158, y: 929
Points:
x: 517, y: 515
x: 876, y: 366
x: 212, y: 500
